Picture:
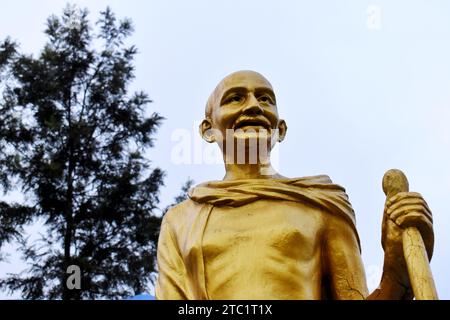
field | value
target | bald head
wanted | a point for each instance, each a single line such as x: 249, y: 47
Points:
x: 235, y: 79
x: 242, y: 100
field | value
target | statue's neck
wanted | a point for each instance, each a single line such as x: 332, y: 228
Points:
x: 250, y: 171
x: 251, y: 163
x: 250, y: 167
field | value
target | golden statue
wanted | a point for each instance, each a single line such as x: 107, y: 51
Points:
x: 259, y: 235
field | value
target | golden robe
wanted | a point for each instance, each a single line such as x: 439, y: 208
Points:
x: 261, y: 239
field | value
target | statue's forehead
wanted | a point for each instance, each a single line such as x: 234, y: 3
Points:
x: 248, y: 79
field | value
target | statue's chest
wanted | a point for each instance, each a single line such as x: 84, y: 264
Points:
x: 262, y: 229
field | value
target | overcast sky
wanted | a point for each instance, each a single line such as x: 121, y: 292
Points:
x: 364, y: 86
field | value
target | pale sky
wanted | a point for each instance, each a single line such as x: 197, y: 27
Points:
x: 364, y: 86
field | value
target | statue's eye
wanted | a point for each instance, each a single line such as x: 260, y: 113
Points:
x: 235, y: 98
x: 265, y: 99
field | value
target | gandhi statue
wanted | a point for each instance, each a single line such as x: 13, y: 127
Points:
x: 259, y: 235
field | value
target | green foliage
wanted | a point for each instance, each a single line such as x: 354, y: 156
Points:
x: 184, y: 193
x: 72, y: 138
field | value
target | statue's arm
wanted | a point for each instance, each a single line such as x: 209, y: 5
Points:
x: 343, y: 267
x: 171, y: 268
x: 345, y: 270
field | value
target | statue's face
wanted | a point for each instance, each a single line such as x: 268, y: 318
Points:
x: 245, y: 103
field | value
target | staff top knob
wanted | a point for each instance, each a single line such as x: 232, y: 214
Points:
x: 395, y: 181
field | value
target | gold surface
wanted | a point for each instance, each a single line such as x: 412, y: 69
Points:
x: 259, y: 235
x: 415, y: 253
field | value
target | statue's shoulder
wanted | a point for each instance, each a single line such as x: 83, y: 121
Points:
x: 180, y: 218
x: 181, y: 211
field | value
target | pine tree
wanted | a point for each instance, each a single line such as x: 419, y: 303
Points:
x: 183, y: 194
x: 72, y: 138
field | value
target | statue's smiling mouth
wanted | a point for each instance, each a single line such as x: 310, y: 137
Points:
x: 251, y: 122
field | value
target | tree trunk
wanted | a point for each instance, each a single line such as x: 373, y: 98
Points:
x: 67, y: 293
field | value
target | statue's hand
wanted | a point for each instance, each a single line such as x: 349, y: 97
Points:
x: 405, y: 209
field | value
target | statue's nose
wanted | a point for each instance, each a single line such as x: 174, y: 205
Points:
x: 253, y: 106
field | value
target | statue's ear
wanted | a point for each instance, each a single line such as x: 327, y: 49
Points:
x: 282, y: 128
x: 206, y: 131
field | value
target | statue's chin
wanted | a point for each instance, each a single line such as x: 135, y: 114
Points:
x: 254, y: 139
x: 251, y: 132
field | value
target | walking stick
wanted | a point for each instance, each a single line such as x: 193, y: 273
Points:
x: 395, y: 181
